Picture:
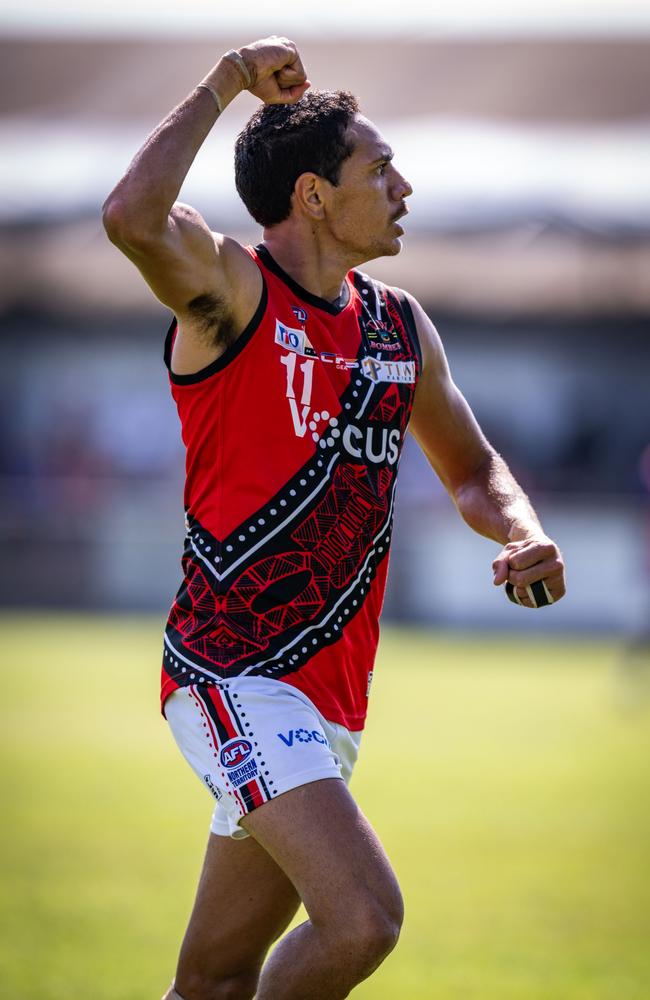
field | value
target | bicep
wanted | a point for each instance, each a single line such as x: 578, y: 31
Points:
x: 442, y: 421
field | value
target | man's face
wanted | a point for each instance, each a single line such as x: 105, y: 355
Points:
x: 369, y: 197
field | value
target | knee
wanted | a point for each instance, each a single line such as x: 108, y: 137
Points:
x: 198, y: 986
x: 379, y: 930
x: 372, y: 929
x: 374, y: 939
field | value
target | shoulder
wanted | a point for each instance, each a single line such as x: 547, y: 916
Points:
x: 238, y: 261
x: 421, y: 318
x: 369, y: 286
x: 362, y: 280
x: 419, y: 315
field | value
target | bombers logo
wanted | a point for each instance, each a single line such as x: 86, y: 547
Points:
x: 381, y: 336
x: 235, y: 752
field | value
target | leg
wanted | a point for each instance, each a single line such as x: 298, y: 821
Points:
x: 243, y: 903
x: 319, y: 838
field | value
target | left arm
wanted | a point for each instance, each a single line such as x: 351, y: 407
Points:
x: 478, y: 480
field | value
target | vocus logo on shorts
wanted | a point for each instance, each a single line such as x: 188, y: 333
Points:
x: 297, y: 736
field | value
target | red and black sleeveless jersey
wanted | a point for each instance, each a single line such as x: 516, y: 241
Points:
x: 293, y: 440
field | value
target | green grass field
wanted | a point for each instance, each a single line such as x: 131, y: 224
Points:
x: 509, y: 780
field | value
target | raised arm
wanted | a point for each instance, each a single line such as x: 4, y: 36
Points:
x: 476, y: 477
x: 207, y: 279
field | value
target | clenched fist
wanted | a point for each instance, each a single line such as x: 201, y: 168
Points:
x: 524, y: 562
x: 276, y: 70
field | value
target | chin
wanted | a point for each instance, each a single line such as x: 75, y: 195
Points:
x: 388, y: 249
x: 391, y: 248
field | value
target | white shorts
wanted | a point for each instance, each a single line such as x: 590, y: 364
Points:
x: 251, y: 738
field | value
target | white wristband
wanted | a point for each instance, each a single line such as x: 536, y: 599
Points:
x: 212, y: 92
x: 233, y: 56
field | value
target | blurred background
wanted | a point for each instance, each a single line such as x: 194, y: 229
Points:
x: 520, y: 827
x: 526, y: 138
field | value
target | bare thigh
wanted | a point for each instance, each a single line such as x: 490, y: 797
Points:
x: 243, y: 903
x: 319, y: 837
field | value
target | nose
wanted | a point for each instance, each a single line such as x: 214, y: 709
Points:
x: 401, y: 187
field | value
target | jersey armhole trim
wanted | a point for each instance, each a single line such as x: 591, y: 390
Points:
x: 409, y: 324
x: 228, y: 355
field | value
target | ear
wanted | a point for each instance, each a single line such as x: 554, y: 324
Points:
x: 309, y: 195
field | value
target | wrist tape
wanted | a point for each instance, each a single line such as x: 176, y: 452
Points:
x: 538, y: 593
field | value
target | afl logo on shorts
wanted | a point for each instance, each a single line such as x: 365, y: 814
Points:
x: 235, y: 752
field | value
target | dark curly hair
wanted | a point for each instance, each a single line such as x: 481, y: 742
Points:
x: 282, y: 141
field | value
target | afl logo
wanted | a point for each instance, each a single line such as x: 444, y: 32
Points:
x: 235, y: 752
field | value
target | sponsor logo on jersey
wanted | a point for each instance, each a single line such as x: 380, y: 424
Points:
x: 293, y: 340
x: 235, y: 752
x: 338, y: 361
x: 302, y: 736
x: 383, y: 337
x: 218, y: 794
x: 298, y: 342
x: 299, y: 313
x: 388, y: 371
x: 375, y: 443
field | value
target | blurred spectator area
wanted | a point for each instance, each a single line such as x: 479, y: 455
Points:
x: 91, y: 469
x: 529, y: 160
x: 528, y: 243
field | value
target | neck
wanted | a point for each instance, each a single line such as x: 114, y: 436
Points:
x: 317, y: 269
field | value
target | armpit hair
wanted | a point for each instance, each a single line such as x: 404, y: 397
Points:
x: 214, y: 319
